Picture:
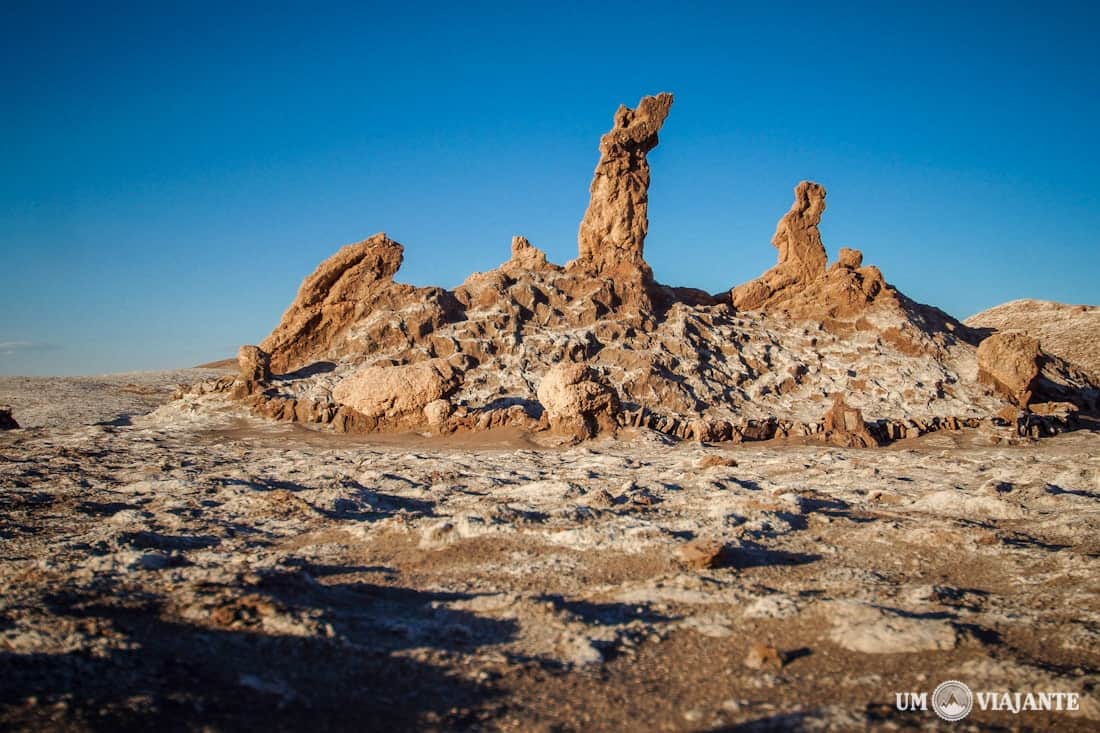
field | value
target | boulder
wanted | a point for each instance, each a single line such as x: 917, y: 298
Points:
x: 255, y: 364
x: 1069, y: 331
x: 613, y: 230
x: 436, y: 413
x: 844, y: 426
x: 7, y: 422
x: 397, y: 393
x: 1010, y: 362
x: 577, y: 402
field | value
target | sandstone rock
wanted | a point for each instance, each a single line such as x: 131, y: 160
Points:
x: 255, y: 364
x: 700, y: 554
x: 1009, y: 415
x: 7, y: 422
x: 850, y: 259
x: 801, y: 253
x: 1010, y: 362
x: 612, y: 233
x: 683, y: 363
x: 799, y: 285
x: 844, y: 426
x: 577, y: 402
x: 1071, y: 332
x: 763, y: 656
x: 712, y: 460
x: 344, y: 291
x: 436, y: 413
x: 526, y: 257
x: 397, y: 392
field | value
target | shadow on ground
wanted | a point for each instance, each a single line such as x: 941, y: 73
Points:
x: 228, y: 671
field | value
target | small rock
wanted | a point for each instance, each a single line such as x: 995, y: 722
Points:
x: 701, y: 554
x: 580, y: 651
x: 844, y: 426
x: 602, y: 498
x: 712, y: 460
x: 763, y: 656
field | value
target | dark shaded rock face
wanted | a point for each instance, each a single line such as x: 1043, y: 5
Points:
x: 7, y: 422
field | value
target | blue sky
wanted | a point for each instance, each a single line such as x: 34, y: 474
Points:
x: 171, y: 174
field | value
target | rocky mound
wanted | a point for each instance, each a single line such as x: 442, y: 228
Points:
x: 1071, y: 332
x: 807, y: 349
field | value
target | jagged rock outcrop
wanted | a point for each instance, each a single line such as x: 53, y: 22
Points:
x: 612, y: 233
x: 1011, y: 362
x: 844, y: 426
x: 599, y: 344
x: 577, y: 401
x: 397, y: 392
x: 7, y: 422
x: 351, y: 305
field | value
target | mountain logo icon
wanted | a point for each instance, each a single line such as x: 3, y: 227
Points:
x: 952, y: 700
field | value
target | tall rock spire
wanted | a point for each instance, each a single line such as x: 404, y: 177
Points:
x: 802, y: 256
x: 612, y: 233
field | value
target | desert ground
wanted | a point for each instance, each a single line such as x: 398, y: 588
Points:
x: 184, y: 565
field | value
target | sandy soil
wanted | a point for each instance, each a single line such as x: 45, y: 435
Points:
x: 198, y: 569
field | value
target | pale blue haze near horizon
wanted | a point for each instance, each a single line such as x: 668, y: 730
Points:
x: 171, y: 173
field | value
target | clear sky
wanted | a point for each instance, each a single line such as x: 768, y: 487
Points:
x: 171, y: 174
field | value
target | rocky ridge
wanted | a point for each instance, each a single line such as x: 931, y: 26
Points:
x: 795, y: 353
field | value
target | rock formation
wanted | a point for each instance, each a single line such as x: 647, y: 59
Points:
x: 1010, y: 362
x: 799, y: 285
x: 577, y: 402
x: 844, y: 426
x: 600, y: 344
x: 612, y: 233
x: 255, y: 364
x: 354, y: 288
x: 7, y: 422
x: 801, y: 254
x: 398, y: 392
x: 1071, y: 332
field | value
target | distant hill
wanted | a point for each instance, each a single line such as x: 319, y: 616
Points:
x: 1069, y: 331
x: 220, y: 364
